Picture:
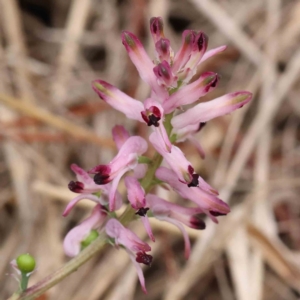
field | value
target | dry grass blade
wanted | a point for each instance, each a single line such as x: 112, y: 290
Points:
x: 68, y: 57
x: 275, y: 258
x: 57, y: 122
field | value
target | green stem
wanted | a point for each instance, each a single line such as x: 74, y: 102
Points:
x: 24, y: 281
x: 42, y: 286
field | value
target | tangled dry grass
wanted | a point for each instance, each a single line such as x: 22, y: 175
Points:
x: 50, y: 51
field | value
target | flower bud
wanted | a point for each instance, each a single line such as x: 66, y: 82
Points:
x: 157, y: 28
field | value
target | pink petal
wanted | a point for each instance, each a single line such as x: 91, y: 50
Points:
x: 183, y: 55
x: 192, y: 92
x: 163, y: 50
x: 164, y: 75
x: 207, y: 201
x: 187, y: 243
x: 125, y: 237
x: 175, y: 158
x: 120, y: 135
x: 206, y: 111
x: 135, y: 192
x: 140, y: 171
x: 199, y: 48
x: 213, y: 52
x: 142, y: 62
x: 146, y: 223
x: 72, y: 241
x: 79, y: 198
x: 113, y: 204
x: 139, y: 272
x: 118, y: 100
x: 127, y: 157
x: 81, y: 174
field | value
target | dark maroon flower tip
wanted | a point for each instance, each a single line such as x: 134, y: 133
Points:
x: 153, y: 117
x: 191, y: 169
x: 201, y: 126
x: 101, y: 178
x: 194, y: 182
x: 76, y: 186
x: 142, y: 211
x: 143, y: 258
x: 202, y: 41
x: 197, y: 223
x: 156, y: 25
x: 216, y: 213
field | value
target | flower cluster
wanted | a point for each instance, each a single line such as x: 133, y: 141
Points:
x: 174, y: 115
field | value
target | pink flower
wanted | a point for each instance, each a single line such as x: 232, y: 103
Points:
x: 164, y: 75
x: 120, y: 135
x: 206, y: 111
x: 157, y: 28
x: 153, y: 115
x: 176, y: 215
x: 203, y: 195
x: 84, y: 184
x: 135, y: 247
x: 88, y: 189
x: 192, y: 92
x: 143, y: 63
x: 164, y: 51
x: 126, y: 159
x: 135, y: 192
x: 176, y: 160
x: 136, y: 196
x: 118, y: 100
x: 72, y: 241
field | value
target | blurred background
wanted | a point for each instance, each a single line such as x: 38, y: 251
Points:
x: 51, y: 50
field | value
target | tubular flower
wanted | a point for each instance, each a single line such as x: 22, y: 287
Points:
x: 176, y: 215
x: 136, y: 196
x: 206, y: 111
x: 75, y: 237
x: 120, y: 135
x: 176, y: 160
x: 126, y: 159
x: 88, y: 189
x: 203, y: 195
x: 142, y: 62
x: 135, y: 247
